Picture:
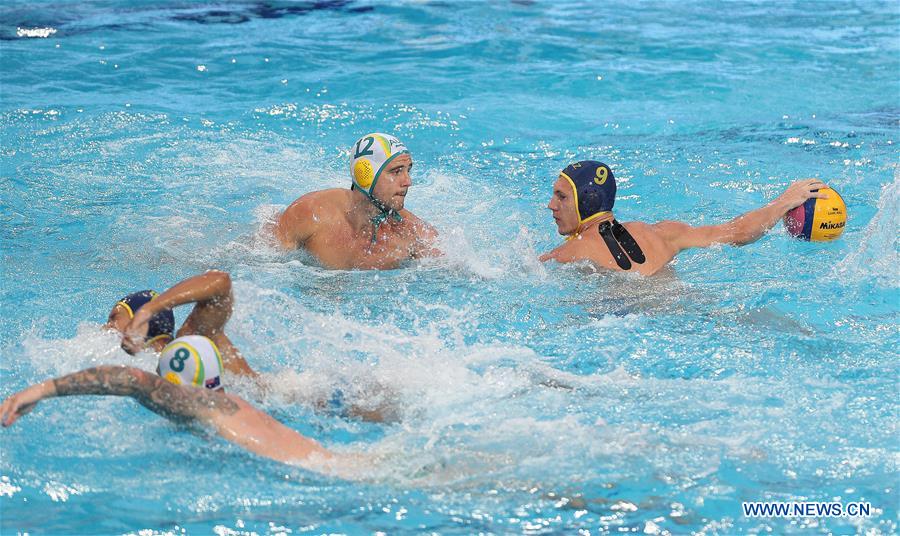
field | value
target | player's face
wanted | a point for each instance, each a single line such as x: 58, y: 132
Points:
x: 562, y: 205
x: 394, y: 182
x: 118, y: 319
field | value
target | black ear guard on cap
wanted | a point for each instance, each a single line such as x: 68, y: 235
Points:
x: 617, y: 237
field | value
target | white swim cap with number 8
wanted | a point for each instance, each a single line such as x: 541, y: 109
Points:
x: 192, y: 360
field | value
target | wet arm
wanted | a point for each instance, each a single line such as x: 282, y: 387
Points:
x: 296, y: 224
x: 562, y: 253
x: 159, y: 396
x: 425, y: 237
x: 211, y: 290
x: 744, y: 229
x: 232, y: 418
x: 214, y: 302
x: 151, y: 391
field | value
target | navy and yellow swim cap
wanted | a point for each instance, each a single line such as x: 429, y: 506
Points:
x: 161, y: 325
x: 594, y: 187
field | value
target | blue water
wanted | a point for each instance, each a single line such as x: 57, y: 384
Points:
x: 146, y: 142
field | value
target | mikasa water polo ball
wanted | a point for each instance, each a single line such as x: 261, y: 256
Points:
x: 818, y: 220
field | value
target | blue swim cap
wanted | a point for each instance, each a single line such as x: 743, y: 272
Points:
x: 161, y: 325
x: 594, y: 187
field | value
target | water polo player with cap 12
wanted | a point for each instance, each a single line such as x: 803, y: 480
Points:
x: 582, y: 203
x: 365, y: 226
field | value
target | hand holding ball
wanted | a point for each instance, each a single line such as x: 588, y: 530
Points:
x: 818, y: 219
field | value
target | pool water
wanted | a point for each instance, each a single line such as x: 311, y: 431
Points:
x: 145, y: 142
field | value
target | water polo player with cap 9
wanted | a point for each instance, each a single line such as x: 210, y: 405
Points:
x: 365, y: 226
x: 582, y: 206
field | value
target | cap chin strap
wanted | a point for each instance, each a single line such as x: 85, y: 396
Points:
x: 383, y: 212
x: 583, y: 223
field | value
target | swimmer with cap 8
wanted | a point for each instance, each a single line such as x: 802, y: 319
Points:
x: 230, y: 416
x: 173, y: 391
x: 187, y: 386
x: 145, y: 320
x: 202, y: 350
x: 366, y: 226
x: 582, y: 206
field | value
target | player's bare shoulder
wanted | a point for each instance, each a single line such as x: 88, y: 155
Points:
x: 654, y: 238
x: 646, y: 234
x: 309, y: 213
x: 320, y: 203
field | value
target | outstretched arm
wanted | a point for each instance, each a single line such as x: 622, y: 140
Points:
x: 744, y: 229
x: 211, y: 292
x: 231, y: 417
x: 167, y: 399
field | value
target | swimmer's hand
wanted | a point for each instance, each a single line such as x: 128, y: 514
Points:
x: 799, y: 192
x: 24, y: 401
x: 135, y: 332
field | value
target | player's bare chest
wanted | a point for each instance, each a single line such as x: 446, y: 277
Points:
x: 344, y: 248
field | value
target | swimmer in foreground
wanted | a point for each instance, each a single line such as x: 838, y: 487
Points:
x: 582, y: 203
x: 145, y: 318
x: 233, y: 418
x: 364, y: 227
x: 145, y: 321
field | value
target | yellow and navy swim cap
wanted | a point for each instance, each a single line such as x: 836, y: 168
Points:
x: 594, y: 187
x: 369, y: 156
x: 161, y: 325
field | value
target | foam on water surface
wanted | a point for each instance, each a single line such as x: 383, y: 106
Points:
x: 523, y: 397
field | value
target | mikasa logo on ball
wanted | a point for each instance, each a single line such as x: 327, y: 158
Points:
x: 818, y: 219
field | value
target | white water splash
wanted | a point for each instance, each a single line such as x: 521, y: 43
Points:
x: 878, y: 255
x: 90, y: 347
x: 35, y: 32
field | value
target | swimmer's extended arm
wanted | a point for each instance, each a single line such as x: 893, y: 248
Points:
x: 167, y: 399
x: 211, y: 292
x: 744, y: 229
x: 233, y: 419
